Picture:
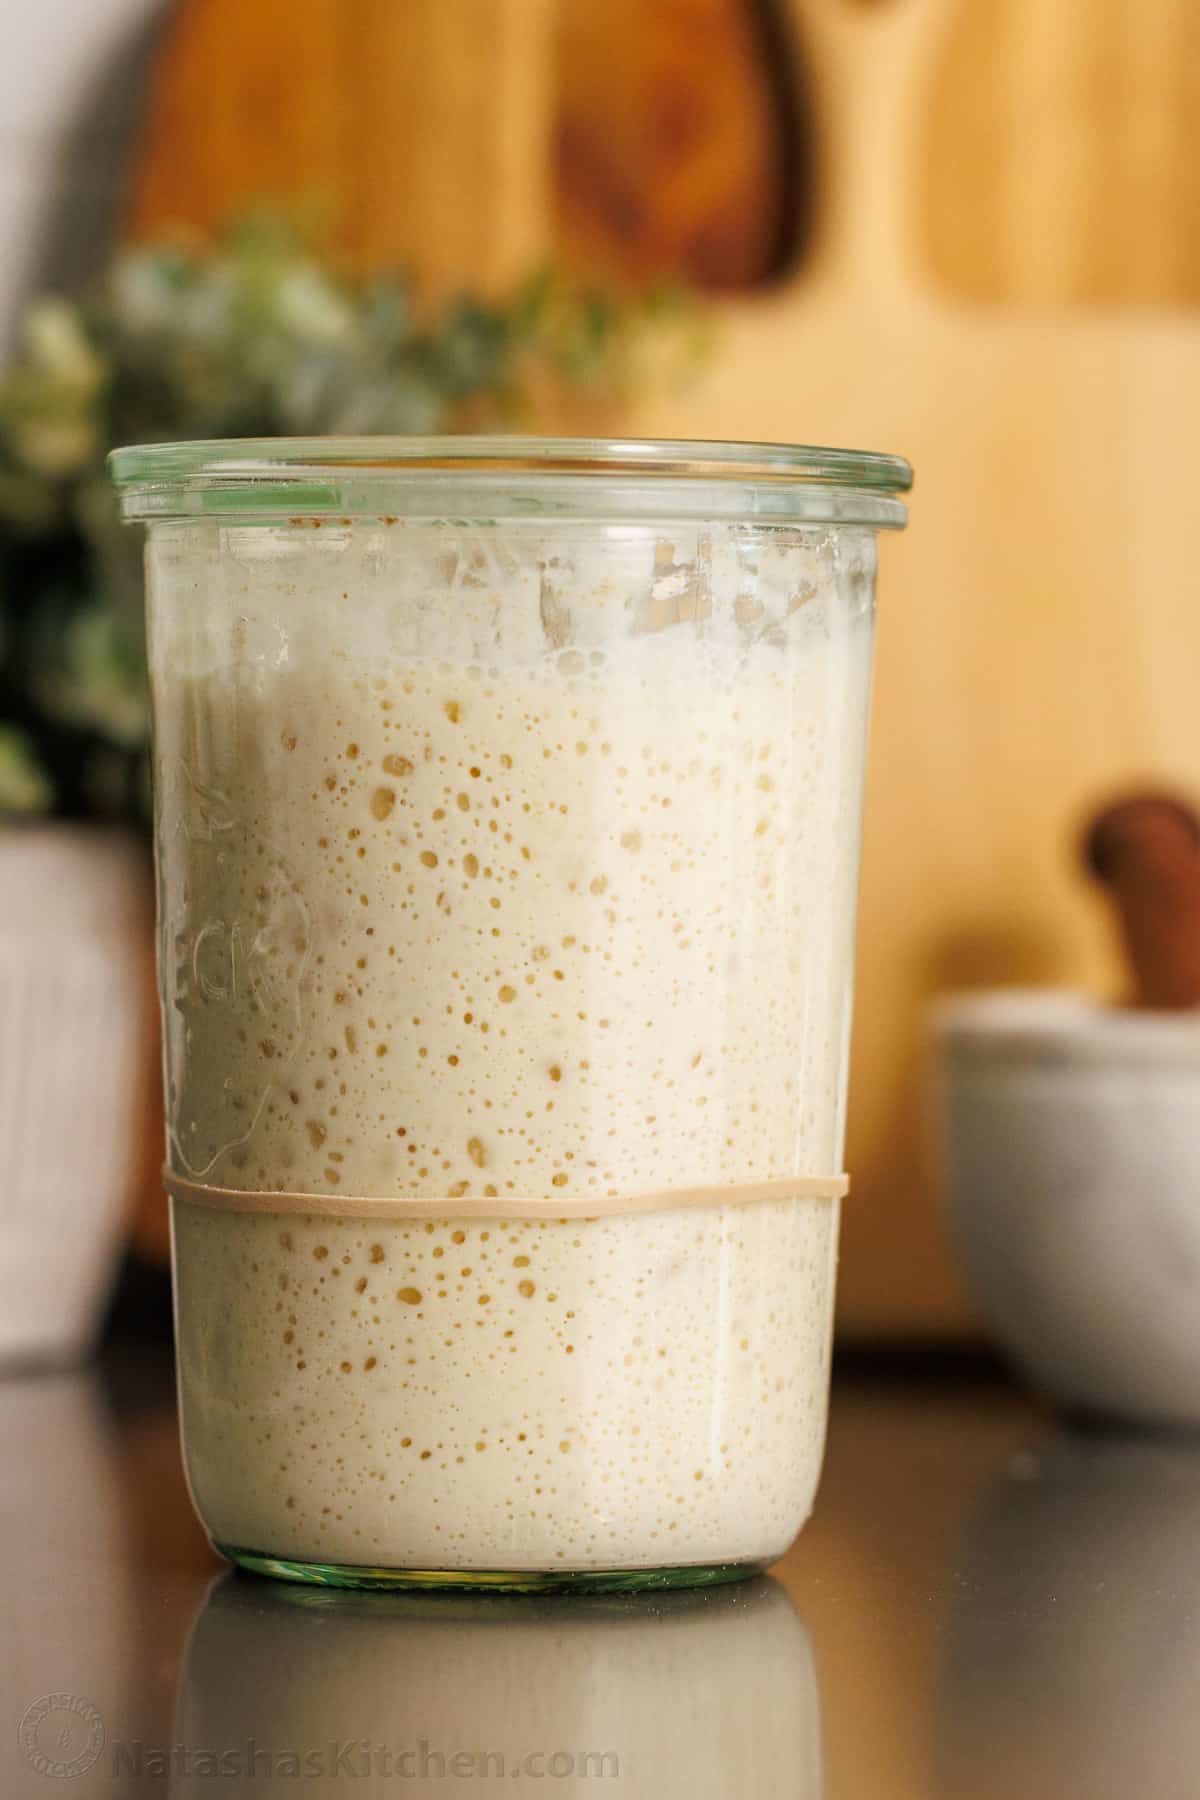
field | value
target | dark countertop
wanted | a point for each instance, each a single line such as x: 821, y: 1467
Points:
x: 985, y: 1603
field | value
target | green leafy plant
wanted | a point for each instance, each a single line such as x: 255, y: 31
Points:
x: 256, y: 335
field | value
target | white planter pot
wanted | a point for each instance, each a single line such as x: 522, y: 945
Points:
x: 1072, y: 1152
x: 75, y: 1018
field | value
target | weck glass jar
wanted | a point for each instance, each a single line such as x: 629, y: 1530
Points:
x: 508, y: 798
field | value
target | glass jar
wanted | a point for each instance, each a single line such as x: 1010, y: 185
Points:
x: 508, y: 800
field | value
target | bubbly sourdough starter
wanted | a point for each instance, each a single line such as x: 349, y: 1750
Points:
x: 562, y: 921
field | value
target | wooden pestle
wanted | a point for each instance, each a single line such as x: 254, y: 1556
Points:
x: 1145, y: 849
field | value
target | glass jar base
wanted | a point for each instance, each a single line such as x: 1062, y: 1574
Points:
x: 500, y: 1581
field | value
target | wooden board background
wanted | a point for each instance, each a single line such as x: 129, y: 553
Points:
x: 1032, y: 346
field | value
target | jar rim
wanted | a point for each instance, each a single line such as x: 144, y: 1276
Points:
x: 509, y: 476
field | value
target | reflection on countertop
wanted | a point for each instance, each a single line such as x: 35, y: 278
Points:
x: 706, y: 1693
x: 983, y: 1604
x: 1074, y: 1635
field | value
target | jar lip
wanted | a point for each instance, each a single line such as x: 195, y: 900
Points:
x: 428, y: 476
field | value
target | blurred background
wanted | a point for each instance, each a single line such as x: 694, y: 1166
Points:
x: 964, y: 230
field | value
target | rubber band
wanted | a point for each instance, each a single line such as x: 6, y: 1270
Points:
x: 506, y: 1206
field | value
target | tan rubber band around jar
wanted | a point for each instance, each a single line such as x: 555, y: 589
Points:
x: 506, y: 1206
